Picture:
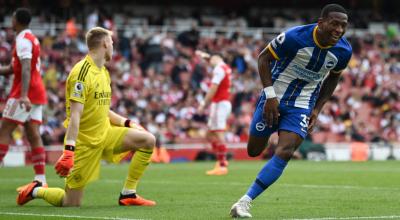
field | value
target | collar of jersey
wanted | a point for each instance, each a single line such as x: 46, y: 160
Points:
x: 22, y: 33
x: 316, y: 40
x: 92, y: 63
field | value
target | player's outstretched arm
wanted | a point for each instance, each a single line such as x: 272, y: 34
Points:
x: 271, y: 112
x: 66, y: 161
x: 6, y: 70
x: 327, y: 89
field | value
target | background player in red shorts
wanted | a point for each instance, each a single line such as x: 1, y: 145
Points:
x: 219, y: 96
x: 28, y: 95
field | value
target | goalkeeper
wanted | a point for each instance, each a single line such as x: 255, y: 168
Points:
x: 94, y: 132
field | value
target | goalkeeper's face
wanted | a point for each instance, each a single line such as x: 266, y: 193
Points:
x: 108, y: 44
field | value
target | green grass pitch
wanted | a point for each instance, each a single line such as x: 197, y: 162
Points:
x: 307, y: 190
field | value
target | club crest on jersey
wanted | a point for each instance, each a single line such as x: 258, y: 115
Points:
x: 260, y: 126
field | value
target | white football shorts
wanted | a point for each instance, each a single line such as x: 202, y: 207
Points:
x: 219, y: 115
x: 13, y: 112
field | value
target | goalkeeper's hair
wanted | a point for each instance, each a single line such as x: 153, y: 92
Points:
x: 95, y: 36
x: 332, y: 8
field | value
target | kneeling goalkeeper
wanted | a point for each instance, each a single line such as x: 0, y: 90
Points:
x: 94, y: 132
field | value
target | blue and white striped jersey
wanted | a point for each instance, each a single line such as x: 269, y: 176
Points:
x: 302, y: 63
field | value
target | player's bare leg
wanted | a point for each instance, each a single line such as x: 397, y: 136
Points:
x: 256, y: 145
x: 73, y: 197
x: 217, y: 142
x: 6, y: 129
x: 142, y: 142
x: 38, y: 151
x: 287, y: 144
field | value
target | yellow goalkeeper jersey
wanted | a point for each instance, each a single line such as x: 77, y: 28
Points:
x: 90, y: 86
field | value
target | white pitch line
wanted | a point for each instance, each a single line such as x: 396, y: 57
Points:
x: 343, y: 187
x: 349, y: 218
x: 64, y: 216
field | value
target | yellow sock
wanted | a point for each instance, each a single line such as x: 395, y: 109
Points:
x: 53, y: 196
x: 139, y: 163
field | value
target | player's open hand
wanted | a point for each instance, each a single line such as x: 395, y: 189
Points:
x: 271, y: 112
x: 136, y: 126
x: 313, y: 120
x: 25, y: 102
x: 65, y: 163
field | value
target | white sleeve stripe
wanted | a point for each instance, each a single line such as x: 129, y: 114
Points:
x: 24, y: 48
x: 218, y: 75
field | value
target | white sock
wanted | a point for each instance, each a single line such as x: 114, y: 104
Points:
x: 128, y: 191
x: 246, y: 198
x: 35, y: 191
x: 41, y: 178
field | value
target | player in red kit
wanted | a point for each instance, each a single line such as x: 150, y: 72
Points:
x: 218, y: 95
x: 28, y: 95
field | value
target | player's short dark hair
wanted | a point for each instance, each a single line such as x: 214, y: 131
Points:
x: 23, y: 16
x: 332, y: 8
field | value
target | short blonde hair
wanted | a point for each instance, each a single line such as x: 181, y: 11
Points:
x: 95, y: 36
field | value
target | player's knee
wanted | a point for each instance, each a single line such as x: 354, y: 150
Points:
x: 285, y: 152
x: 150, y: 141
x: 69, y: 203
x: 253, y: 151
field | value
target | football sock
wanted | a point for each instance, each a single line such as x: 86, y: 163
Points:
x: 267, y: 176
x: 221, y: 154
x: 3, y: 151
x: 41, y: 178
x: 246, y: 198
x: 138, y: 165
x: 54, y: 196
x: 214, y: 145
x: 39, y: 162
x: 128, y: 191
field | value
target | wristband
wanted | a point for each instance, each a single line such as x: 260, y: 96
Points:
x: 70, y: 142
x: 127, y: 123
x: 69, y: 147
x: 269, y: 92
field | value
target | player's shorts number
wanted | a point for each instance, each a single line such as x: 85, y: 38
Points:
x: 304, y: 121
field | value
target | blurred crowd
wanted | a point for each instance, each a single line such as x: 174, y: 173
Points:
x: 235, y: 13
x: 158, y: 82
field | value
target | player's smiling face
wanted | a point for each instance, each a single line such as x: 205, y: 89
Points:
x: 333, y: 27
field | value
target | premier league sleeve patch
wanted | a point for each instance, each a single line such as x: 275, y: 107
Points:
x: 78, y: 90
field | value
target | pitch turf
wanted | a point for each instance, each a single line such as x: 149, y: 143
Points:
x: 307, y: 190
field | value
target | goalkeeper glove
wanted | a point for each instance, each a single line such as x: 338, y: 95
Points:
x: 65, y: 162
